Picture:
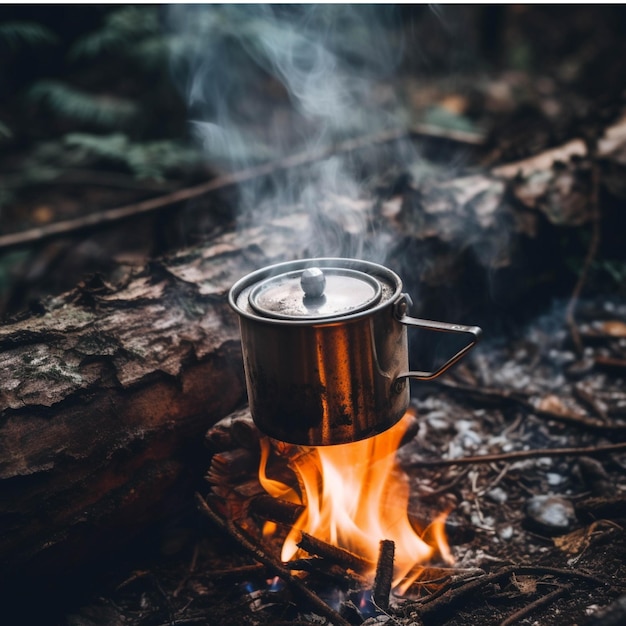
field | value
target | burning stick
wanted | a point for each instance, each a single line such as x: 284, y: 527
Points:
x: 275, y: 509
x: 272, y: 564
x: 384, y: 574
x: 342, y: 557
x: 335, y: 573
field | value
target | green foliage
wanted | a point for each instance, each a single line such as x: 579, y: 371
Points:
x: 122, y: 30
x: 149, y: 159
x: 106, y: 111
x: 114, y: 87
x: 15, y: 34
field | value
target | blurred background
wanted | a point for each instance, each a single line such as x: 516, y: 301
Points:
x: 101, y: 107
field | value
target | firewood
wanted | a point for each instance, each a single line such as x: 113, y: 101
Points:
x: 245, y: 432
x: 334, y: 554
x: 231, y: 465
x: 384, y: 574
x: 220, y: 436
x: 276, y: 510
x: 271, y: 563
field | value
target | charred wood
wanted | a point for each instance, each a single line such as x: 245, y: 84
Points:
x: 235, y: 430
x: 272, y: 564
x: 277, y: 510
x: 334, y: 554
x: 384, y: 574
x: 231, y: 465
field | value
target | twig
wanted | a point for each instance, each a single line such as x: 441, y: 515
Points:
x: 271, y: 563
x: 430, y: 495
x: 521, y: 454
x: 234, y: 573
x: 518, y: 398
x: 335, y: 573
x: 224, y: 181
x: 539, y: 602
x: 591, y: 253
x: 432, y: 610
x: 384, y: 574
x: 587, y: 398
x: 277, y: 510
x: 342, y: 557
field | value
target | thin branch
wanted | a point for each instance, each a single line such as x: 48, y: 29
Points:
x: 518, y: 398
x: 433, y: 610
x: 335, y: 554
x: 271, y: 563
x: 539, y: 602
x: 517, y: 455
x: 224, y: 181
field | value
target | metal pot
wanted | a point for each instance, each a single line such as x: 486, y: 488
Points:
x: 325, y: 349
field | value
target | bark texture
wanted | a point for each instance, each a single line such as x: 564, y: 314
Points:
x: 105, y: 397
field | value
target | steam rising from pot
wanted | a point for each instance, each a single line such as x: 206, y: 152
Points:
x: 263, y: 81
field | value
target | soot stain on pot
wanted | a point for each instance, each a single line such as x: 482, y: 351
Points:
x: 288, y: 413
x: 343, y: 416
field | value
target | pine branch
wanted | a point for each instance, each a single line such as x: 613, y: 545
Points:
x: 14, y: 34
x: 72, y: 103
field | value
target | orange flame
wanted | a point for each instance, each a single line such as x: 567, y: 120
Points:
x: 355, y: 496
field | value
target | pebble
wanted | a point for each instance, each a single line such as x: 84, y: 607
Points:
x: 505, y: 533
x: 497, y: 495
x: 554, y: 479
x: 550, y: 515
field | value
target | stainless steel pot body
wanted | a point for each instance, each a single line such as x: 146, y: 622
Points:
x: 329, y: 380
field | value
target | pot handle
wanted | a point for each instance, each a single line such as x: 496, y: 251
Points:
x: 474, y: 333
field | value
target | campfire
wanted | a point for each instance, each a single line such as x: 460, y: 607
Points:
x: 356, y: 496
x: 326, y: 362
x: 343, y: 507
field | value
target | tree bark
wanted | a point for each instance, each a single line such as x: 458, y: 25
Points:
x: 107, y: 393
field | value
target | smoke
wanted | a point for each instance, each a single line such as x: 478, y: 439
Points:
x: 264, y: 81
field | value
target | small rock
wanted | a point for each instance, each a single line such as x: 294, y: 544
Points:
x: 612, y: 615
x: 549, y: 515
x: 554, y: 479
x: 497, y: 495
x: 505, y: 533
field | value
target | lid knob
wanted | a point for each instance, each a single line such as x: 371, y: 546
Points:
x: 313, y: 282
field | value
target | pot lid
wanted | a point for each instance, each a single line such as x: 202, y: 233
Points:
x: 313, y: 293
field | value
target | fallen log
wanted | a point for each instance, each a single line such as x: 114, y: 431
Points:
x: 106, y: 395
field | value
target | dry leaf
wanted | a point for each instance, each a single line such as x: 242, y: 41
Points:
x: 574, y: 542
x: 553, y: 404
x: 526, y: 585
x: 578, y: 541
